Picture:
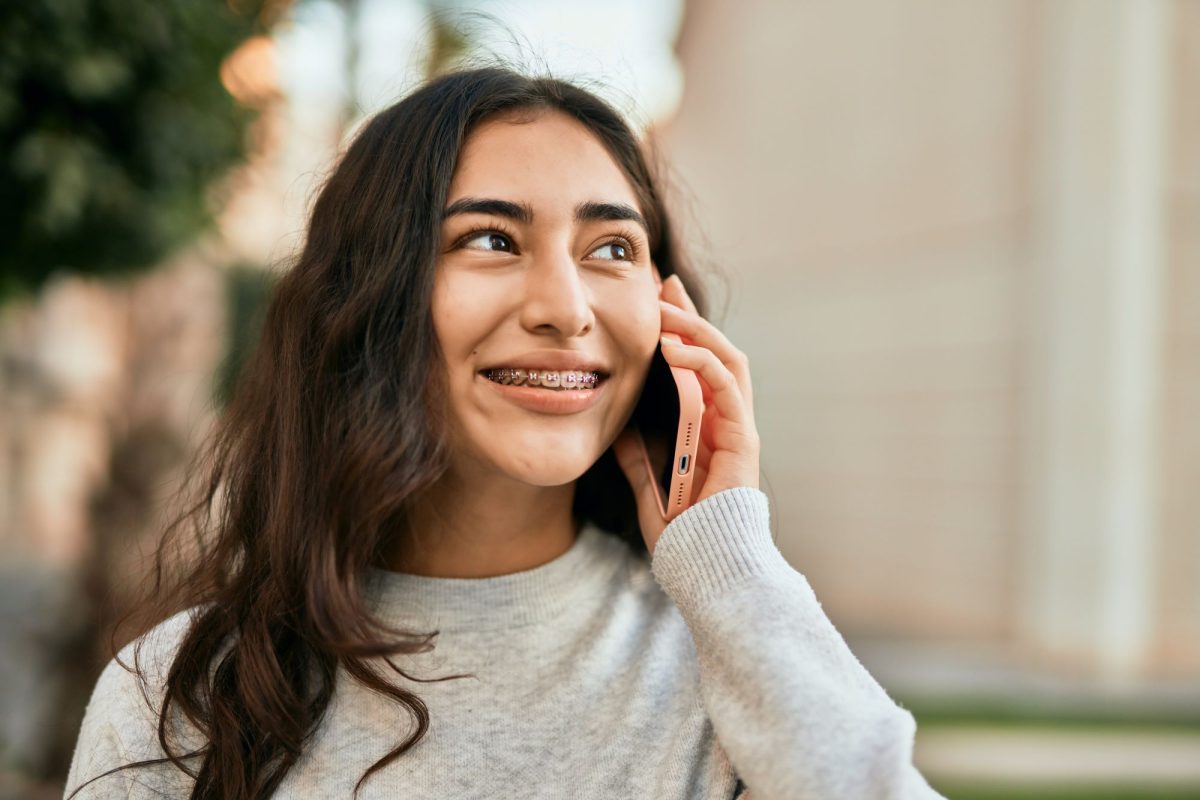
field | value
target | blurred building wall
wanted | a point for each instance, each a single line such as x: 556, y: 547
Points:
x: 1178, y: 602
x: 963, y: 244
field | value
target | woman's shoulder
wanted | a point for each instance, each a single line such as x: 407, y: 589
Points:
x: 136, y: 678
x: 120, y: 724
x: 144, y: 662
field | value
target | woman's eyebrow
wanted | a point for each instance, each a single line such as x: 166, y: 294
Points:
x: 523, y: 213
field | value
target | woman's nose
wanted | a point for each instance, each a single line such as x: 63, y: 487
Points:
x: 556, y: 296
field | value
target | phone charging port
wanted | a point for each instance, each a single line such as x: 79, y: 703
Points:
x: 683, y: 464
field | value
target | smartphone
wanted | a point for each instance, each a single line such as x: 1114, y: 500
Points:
x: 668, y: 417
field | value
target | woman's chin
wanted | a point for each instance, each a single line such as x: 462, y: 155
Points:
x: 543, y: 470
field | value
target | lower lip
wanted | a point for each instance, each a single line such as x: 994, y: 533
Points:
x: 548, y: 401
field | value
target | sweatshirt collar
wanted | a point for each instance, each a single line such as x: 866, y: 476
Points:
x: 502, y: 601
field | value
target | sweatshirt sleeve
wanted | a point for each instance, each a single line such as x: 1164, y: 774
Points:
x: 796, y: 712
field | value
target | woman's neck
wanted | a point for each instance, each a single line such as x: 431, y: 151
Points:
x: 497, y: 527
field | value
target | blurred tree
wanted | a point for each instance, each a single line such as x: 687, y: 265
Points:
x: 247, y: 290
x: 114, y: 122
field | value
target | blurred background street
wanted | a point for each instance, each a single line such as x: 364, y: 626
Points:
x: 960, y: 243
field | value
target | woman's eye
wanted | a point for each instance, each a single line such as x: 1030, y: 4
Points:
x: 625, y: 253
x: 492, y: 238
x: 499, y: 242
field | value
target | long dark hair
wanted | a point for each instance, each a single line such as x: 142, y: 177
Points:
x: 307, y: 477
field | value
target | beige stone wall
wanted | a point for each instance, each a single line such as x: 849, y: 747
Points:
x: 860, y: 171
x: 912, y: 201
x: 1178, y: 643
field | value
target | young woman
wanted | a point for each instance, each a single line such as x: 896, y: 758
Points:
x: 423, y: 581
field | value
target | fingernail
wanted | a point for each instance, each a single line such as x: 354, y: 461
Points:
x: 668, y: 342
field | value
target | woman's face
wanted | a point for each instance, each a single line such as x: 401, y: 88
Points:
x: 536, y: 271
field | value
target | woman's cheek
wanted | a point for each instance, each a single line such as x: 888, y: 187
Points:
x: 644, y: 324
x: 460, y: 310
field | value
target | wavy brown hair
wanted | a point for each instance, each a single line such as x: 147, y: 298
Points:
x: 306, y: 480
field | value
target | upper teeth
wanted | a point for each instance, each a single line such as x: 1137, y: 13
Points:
x: 552, y: 379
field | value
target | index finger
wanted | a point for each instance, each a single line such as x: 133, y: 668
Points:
x: 698, y: 330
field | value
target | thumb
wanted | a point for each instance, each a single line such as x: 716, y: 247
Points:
x: 631, y: 453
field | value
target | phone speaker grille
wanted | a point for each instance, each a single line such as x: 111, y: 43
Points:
x: 687, y: 436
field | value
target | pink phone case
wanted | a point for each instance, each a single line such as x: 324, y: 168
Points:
x: 687, y: 438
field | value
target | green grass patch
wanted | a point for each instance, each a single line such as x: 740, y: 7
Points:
x: 1009, y: 714
x: 963, y: 791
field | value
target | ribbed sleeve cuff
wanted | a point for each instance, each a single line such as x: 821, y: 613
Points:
x: 717, y: 545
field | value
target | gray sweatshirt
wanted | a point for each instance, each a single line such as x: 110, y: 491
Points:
x: 710, y: 672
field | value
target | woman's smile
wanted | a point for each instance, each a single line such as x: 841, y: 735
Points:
x: 533, y: 379
x: 569, y: 380
x: 546, y: 400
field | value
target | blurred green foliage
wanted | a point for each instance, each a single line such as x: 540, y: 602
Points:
x: 113, y: 123
x: 1009, y: 792
x: 1035, y: 713
x: 247, y: 290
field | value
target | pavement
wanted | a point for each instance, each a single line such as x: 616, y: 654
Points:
x: 1036, y: 757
